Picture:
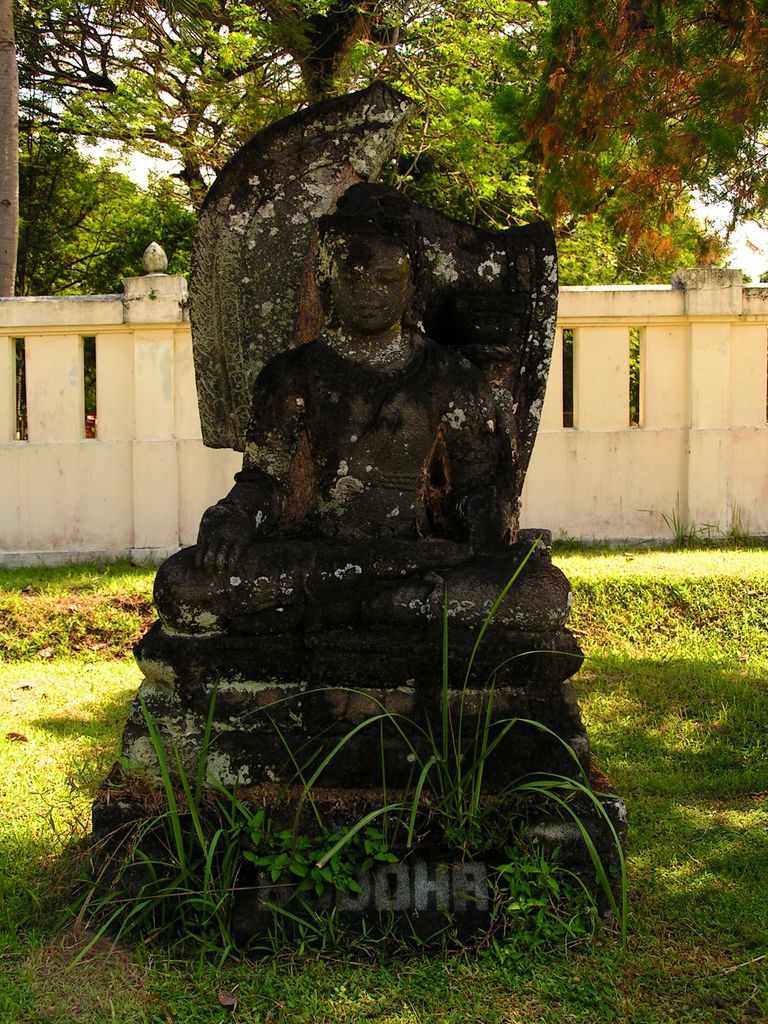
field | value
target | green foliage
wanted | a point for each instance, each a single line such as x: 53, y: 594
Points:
x: 453, y: 158
x: 306, y: 859
x: 84, y: 226
x: 458, y: 158
x: 192, y: 82
x: 634, y: 377
x: 624, y: 107
x: 181, y: 874
x: 600, y: 248
x: 453, y: 771
x: 539, y: 907
x: 190, y: 86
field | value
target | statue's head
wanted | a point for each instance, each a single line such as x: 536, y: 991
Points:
x: 368, y: 254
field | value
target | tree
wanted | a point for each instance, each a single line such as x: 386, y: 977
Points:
x: 192, y: 79
x: 197, y: 79
x: 457, y: 158
x: 630, y: 104
x: 9, y: 149
x: 189, y: 91
x: 84, y: 226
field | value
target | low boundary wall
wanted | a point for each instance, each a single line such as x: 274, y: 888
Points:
x: 655, y: 414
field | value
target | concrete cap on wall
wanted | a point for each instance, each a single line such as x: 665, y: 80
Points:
x: 710, y: 290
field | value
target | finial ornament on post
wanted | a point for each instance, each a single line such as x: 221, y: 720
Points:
x: 155, y: 296
x: 154, y: 259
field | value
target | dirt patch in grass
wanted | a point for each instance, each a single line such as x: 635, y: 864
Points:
x: 35, y: 624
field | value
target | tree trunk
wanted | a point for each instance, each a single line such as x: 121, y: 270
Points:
x: 9, y: 150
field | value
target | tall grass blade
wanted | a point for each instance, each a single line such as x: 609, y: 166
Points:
x: 551, y: 787
x: 495, y: 606
x: 165, y: 775
x: 351, y: 832
x: 417, y: 797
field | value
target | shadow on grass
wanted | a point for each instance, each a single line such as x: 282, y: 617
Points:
x: 50, y: 782
x: 98, y: 719
x: 684, y: 742
x: 39, y: 886
x: 678, y: 727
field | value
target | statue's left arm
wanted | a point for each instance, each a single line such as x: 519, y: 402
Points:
x: 480, y: 464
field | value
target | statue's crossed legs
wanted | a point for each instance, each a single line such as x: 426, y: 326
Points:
x: 280, y: 584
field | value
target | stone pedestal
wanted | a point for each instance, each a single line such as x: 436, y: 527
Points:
x: 373, y: 706
x: 282, y: 701
x: 428, y: 890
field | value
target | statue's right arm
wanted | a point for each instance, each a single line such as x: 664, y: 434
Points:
x: 227, y: 528
x: 254, y: 504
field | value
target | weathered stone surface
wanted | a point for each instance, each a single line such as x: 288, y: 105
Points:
x: 265, y: 732
x: 382, y: 469
x: 252, y: 288
x: 378, y: 501
x: 423, y: 896
x: 375, y: 658
x: 490, y: 295
x: 426, y: 892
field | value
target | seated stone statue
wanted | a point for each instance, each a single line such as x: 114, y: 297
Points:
x: 375, y: 473
x: 383, y: 467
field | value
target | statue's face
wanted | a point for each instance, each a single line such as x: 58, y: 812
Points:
x: 370, y: 284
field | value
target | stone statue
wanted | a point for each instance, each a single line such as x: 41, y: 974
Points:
x: 378, y: 470
x: 382, y: 368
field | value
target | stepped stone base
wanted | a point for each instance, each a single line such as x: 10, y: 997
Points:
x: 427, y: 892
x: 259, y: 715
x: 359, y: 712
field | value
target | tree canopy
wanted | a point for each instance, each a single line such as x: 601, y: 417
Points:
x: 633, y: 103
x: 601, y: 116
x: 84, y: 226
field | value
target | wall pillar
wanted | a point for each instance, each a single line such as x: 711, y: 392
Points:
x: 156, y: 301
x: 713, y: 299
x: 7, y: 388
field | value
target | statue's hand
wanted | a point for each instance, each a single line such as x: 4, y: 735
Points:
x: 225, y: 532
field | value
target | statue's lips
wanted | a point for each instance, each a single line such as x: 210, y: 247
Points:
x: 377, y: 318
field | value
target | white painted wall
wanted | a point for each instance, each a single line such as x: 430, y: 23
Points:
x: 700, y: 451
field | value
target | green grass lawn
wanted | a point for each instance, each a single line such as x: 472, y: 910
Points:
x: 675, y: 695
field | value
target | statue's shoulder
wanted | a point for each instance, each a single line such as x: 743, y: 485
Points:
x: 451, y: 364
x: 291, y: 365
